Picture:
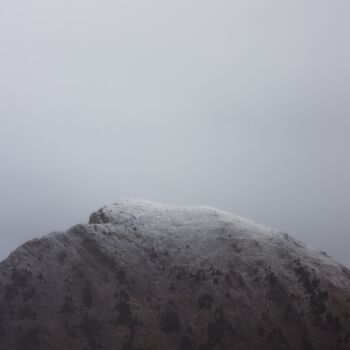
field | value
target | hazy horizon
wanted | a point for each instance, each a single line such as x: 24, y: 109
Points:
x: 239, y: 105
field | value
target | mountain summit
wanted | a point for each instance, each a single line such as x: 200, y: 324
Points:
x: 146, y: 276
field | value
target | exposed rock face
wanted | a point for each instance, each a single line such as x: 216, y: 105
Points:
x: 145, y: 276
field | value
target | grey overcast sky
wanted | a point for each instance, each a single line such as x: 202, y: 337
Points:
x: 237, y: 104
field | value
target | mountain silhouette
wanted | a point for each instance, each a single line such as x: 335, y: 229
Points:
x: 147, y: 276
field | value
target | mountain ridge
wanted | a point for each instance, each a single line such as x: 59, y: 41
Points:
x: 147, y: 276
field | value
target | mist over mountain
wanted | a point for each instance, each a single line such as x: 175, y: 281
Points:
x: 146, y: 276
x: 242, y: 105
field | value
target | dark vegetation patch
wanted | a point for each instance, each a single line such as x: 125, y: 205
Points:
x: 11, y: 293
x: 277, y: 337
x: 236, y: 247
x: 199, y: 276
x: 261, y: 331
x: 189, y: 329
x: 122, y: 307
x: 87, y: 295
x: 70, y: 330
x: 91, y: 328
x: 318, y: 302
x: 307, y: 345
x: 228, y: 279
x: 129, y: 339
x: 152, y: 254
x: 68, y: 306
x: 227, y: 295
x: 333, y: 323
x: 180, y: 272
x: 2, y: 332
x: 279, y: 296
x: 77, y: 272
x: 95, y: 251
x: 20, y: 278
x: 234, y: 278
x: 186, y: 343
x: 27, y: 312
x: 290, y: 312
x: 121, y: 276
x: 271, y: 279
x: 169, y: 322
x: 125, y: 318
x: 28, y: 294
x: 346, y: 272
x: 19, y: 285
x: 30, y: 340
x: 305, y: 278
x: 62, y: 256
x: 215, y: 330
x: 205, y: 301
x: 317, y: 297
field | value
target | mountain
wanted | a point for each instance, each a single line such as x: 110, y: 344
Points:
x: 146, y: 276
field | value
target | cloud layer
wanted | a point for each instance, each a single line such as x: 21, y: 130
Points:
x: 242, y: 105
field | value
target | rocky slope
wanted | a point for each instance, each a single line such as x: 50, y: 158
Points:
x: 146, y: 276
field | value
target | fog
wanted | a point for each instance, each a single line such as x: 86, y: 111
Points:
x: 241, y: 105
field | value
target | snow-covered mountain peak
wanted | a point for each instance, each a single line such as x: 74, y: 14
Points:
x: 141, y: 213
x: 147, y: 276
